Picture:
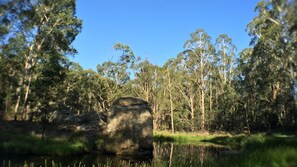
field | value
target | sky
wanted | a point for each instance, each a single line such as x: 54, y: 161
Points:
x: 155, y: 29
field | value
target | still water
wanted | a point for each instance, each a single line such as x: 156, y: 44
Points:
x: 165, y: 154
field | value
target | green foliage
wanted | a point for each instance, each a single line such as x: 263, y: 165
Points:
x: 38, y: 33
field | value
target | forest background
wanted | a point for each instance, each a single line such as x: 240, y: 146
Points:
x: 207, y: 87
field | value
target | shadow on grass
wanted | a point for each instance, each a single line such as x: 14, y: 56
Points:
x: 27, y: 144
x: 24, y: 137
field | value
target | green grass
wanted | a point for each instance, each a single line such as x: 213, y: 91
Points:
x: 265, y: 150
x: 109, y: 163
x: 18, y: 143
x: 256, y: 150
x: 191, y: 138
x: 261, y: 157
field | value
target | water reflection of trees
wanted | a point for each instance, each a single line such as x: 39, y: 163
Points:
x: 187, y: 155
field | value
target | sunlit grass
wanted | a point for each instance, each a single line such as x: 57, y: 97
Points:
x: 187, y: 138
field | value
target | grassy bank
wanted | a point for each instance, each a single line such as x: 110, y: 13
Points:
x: 265, y: 150
x: 18, y: 143
x: 196, y: 138
x: 259, y: 149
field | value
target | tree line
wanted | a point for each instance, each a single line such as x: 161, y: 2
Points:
x: 206, y: 87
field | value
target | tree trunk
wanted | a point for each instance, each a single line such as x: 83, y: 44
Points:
x: 20, y: 89
x: 171, y: 154
x: 146, y: 91
x: 247, y: 118
x: 202, y: 111
x: 192, y: 112
x: 224, y: 68
x: 24, y: 110
x: 210, y: 101
x: 171, y: 102
x: 202, y: 94
x: 171, y: 112
x: 156, y: 117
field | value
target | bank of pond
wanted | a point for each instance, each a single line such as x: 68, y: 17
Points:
x: 180, y: 149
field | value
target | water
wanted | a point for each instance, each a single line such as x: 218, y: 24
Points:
x: 189, y: 155
x: 165, y: 154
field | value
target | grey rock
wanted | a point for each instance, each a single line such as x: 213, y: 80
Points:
x: 129, y: 127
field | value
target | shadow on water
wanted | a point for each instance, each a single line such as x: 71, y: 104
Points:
x: 165, y: 154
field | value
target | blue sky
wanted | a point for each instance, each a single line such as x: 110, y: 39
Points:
x: 156, y: 29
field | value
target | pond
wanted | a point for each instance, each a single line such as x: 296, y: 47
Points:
x: 165, y: 154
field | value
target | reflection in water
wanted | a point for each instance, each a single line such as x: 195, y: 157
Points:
x: 165, y: 154
x: 171, y: 154
x: 186, y: 155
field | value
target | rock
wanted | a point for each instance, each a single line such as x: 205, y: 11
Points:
x: 60, y: 116
x: 129, y: 127
x: 85, y: 126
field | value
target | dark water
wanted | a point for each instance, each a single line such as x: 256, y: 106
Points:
x: 165, y: 154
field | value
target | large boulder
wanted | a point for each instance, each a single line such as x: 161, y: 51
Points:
x: 129, y: 127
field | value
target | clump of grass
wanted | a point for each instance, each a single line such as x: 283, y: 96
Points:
x: 108, y: 163
x: 27, y: 144
x: 188, y: 138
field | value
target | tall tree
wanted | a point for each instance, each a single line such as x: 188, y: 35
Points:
x: 199, y: 50
x: 47, y: 27
x: 272, y: 61
x: 147, y: 85
x: 225, y: 57
x: 223, y: 75
x: 169, y: 70
x: 118, y: 72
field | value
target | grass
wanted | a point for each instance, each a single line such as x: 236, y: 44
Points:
x: 191, y: 138
x: 109, y: 163
x: 17, y: 143
x: 265, y: 150
x: 256, y: 150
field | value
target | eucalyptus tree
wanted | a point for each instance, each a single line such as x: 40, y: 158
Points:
x: 224, y: 65
x: 292, y: 21
x: 10, y: 65
x: 46, y: 27
x: 225, y: 57
x: 246, y: 87
x: 187, y: 88
x: 169, y: 72
x: 45, y: 88
x: 117, y: 72
x: 146, y: 85
x: 272, y: 61
x: 199, y: 51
